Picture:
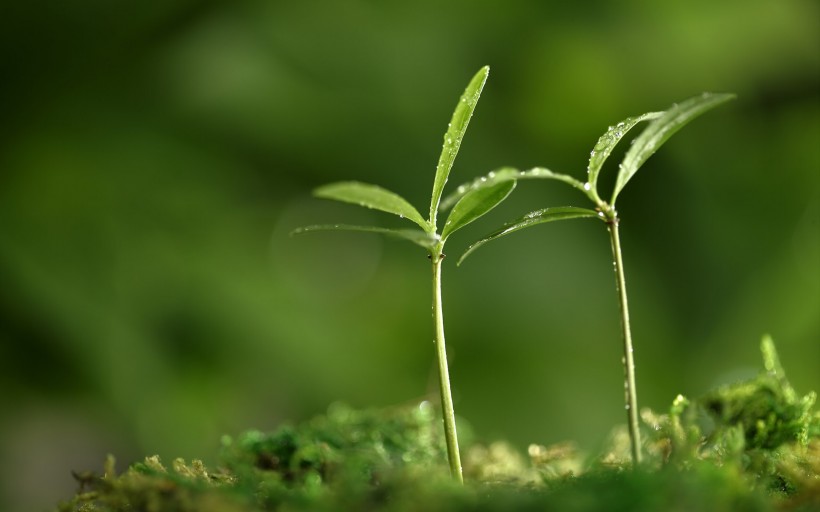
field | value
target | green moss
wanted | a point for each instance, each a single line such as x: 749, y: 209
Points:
x: 752, y: 446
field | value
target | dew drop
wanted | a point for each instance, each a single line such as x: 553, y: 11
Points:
x: 491, y: 174
x: 626, y: 407
x: 587, y: 186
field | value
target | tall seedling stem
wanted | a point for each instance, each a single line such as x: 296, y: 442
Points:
x: 448, y: 412
x: 468, y: 208
x: 630, y: 391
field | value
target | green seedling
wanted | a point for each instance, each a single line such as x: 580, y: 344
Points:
x: 469, y: 206
x: 662, y: 125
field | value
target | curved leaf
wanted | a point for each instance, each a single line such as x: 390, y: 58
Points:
x: 371, y: 196
x: 474, y: 205
x: 506, y: 174
x: 416, y: 236
x: 544, y: 173
x: 607, y: 142
x: 491, y: 179
x: 454, y: 135
x: 659, y: 132
x: 532, y: 219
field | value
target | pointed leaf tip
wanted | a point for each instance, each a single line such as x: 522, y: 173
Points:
x: 607, y: 142
x: 454, y: 135
x: 660, y: 130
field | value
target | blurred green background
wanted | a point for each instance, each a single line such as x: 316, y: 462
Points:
x: 154, y: 157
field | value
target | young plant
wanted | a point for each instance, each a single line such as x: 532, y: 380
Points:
x: 662, y: 125
x: 469, y: 206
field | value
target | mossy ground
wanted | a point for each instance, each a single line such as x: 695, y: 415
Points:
x: 750, y: 446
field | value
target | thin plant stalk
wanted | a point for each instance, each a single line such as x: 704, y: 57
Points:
x: 630, y: 391
x: 448, y: 412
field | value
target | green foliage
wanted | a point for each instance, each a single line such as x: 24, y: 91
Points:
x: 371, y: 196
x: 391, y: 460
x: 760, y: 428
x: 607, y: 142
x: 531, y: 219
x: 767, y: 411
x: 470, y: 205
x: 421, y: 238
x: 474, y: 205
x: 454, y: 135
x: 659, y: 131
x: 662, y: 125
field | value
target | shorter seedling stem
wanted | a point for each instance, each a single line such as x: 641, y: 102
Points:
x: 662, y: 125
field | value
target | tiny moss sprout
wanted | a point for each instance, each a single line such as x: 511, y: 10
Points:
x: 469, y: 206
x: 661, y: 126
x: 752, y: 445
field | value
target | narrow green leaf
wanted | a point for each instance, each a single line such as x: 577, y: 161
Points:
x: 532, y: 219
x: 371, y: 196
x: 491, y: 179
x: 416, y: 236
x: 506, y: 174
x: 544, y: 173
x: 659, y: 131
x: 454, y: 135
x: 474, y: 205
x: 607, y: 142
